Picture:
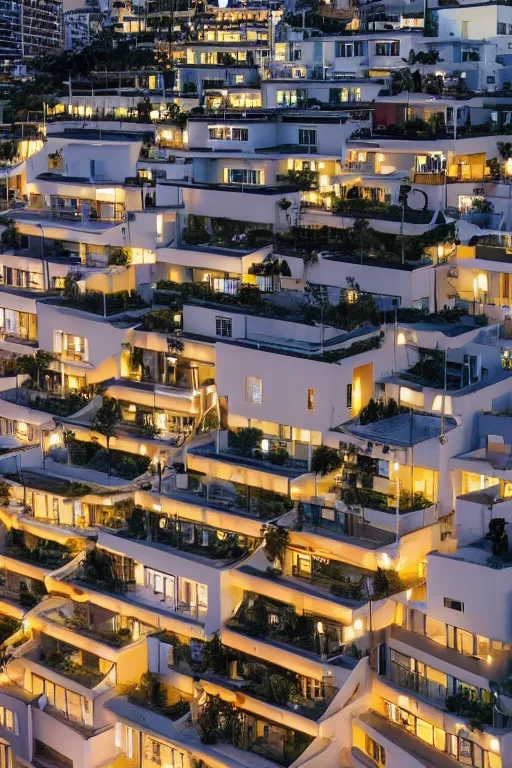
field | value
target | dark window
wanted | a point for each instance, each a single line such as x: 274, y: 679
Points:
x: 223, y: 326
x: 307, y: 136
x: 455, y: 605
x: 502, y: 28
x: 349, y: 395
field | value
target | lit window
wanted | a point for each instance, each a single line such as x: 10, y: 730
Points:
x: 311, y: 399
x: 253, y: 389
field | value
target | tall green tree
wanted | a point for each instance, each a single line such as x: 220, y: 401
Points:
x: 105, y: 423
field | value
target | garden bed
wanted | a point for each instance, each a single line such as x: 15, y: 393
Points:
x: 58, y: 406
x: 98, y: 303
x: 49, y: 484
x: 90, y: 455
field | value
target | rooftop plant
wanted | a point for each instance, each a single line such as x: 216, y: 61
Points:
x: 325, y: 460
x: 376, y: 410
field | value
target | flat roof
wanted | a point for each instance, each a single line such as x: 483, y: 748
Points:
x: 401, y: 430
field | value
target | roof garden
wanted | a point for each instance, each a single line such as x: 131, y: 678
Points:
x: 49, y: 484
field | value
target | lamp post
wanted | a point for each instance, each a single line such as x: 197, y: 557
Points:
x: 46, y: 277
x: 396, y: 467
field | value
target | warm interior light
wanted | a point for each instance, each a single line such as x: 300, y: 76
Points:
x: 358, y: 625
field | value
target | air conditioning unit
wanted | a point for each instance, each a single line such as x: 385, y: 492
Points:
x: 453, y: 272
x: 478, y: 190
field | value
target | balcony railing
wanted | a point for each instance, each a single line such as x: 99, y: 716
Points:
x: 405, y: 678
x: 429, y: 177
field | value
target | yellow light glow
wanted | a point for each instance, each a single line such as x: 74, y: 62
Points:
x: 495, y: 745
x: 132, y: 408
x: 408, y: 594
x: 321, y: 165
x: 483, y: 282
x: 356, y: 394
x: 55, y: 439
x: 489, y: 658
x: 358, y: 625
x: 396, y: 466
x: 320, y: 628
x: 157, y: 507
x: 154, y: 114
x: 143, y: 450
x: 403, y: 701
x: 400, y: 339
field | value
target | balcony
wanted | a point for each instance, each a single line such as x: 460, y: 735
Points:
x: 92, y: 621
x: 267, y: 682
x: 412, y: 681
x: 84, y: 668
x: 277, y: 622
x: 43, y: 553
x: 222, y: 546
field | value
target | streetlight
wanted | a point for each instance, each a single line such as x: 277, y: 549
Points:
x: 46, y: 276
x: 396, y: 467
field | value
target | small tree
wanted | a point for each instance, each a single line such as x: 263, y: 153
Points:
x: 105, y: 423
x: 119, y: 257
x: 11, y: 237
x: 215, y: 656
x: 153, y: 691
x: 35, y: 364
x: 497, y: 536
x: 325, y: 460
x: 285, y: 269
x: 276, y: 540
x: 361, y: 227
x: 246, y: 440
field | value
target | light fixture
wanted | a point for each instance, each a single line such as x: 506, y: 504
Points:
x: 320, y: 627
x: 157, y: 507
x: 396, y: 466
x: 143, y: 450
x: 358, y: 625
x: 495, y: 745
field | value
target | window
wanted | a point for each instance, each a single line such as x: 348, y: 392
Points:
x: 502, y: 28
x: 291, y: 98
x: 307, y: 136
x: 243, y: 176
x: 253, y: 389
x: 348, y: 50
x: 7, y: 720
x: 349, y: 396
x: 388, y: 48
x: 375, y: 751
x: 297, y: 54
x: 311, y: 399
x: 239, y: 79
x: 285, y: 432
x: 223, y: 326
x: 383, y: 468
x: 455, y: 605
x: 227, y: 133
